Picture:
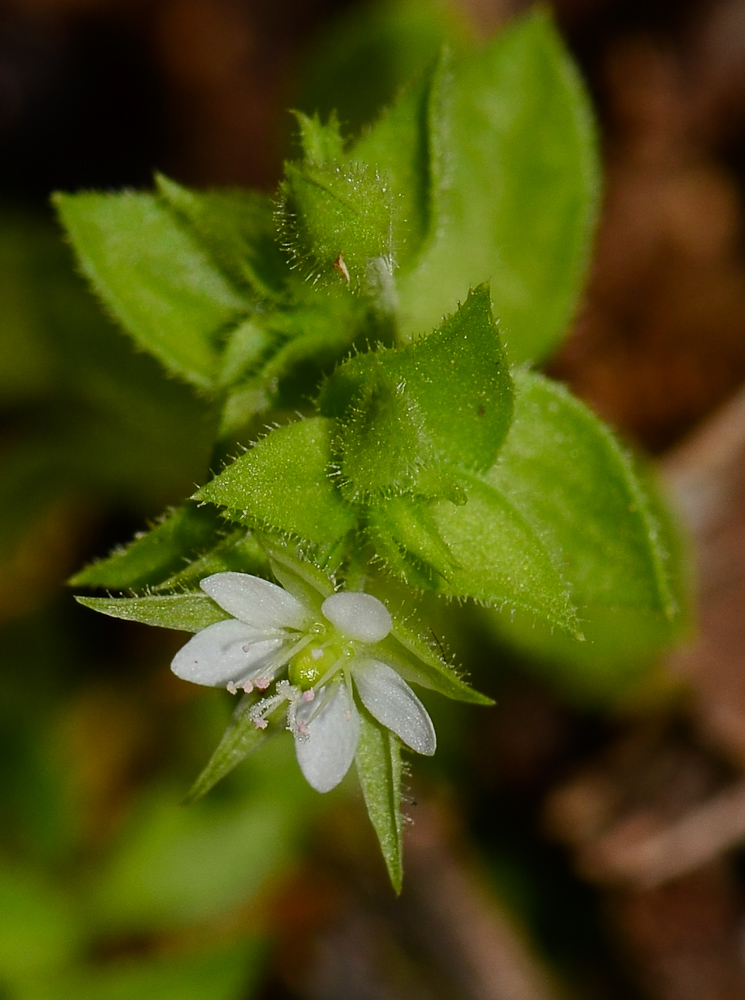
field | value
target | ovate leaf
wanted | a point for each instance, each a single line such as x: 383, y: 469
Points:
x: 483, y: 549
x: 599, y: 514
x: 154, y: 278
x: 518, y: 200
x: 572, y: 481
x: 404, y: 414
x: 236, y: 229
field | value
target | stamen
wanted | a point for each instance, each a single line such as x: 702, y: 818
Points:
x: 232, y: 688
x: 262, y: 683
x: 285, y: 692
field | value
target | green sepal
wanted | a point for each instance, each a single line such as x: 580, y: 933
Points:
x: 378, y: 761
x: 154, y: 278
x: 156, y: 555
x: 283, y: 484
x: 236, y: 228
x: 417, y: 660
x: 188, y: 612
x: 240, y: 739
x: 297, y: 575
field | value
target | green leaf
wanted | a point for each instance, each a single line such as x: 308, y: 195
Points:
x: 156, y: 555
x: 484, y: 549
x: 361, y: 62
x: 446, y: 399
x: 600, y: 516
x: 568, y: 476
x: 154, y: 278
x: 378, y: 762
x: 237, y: 230
x: 239, y: 740
x: 187, y: 612
x: 518, y: 200
x: 283, y: 483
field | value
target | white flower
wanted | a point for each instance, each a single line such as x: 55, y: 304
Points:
x: 332, y: 659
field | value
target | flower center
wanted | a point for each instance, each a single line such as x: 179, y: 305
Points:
x: 310, y: 665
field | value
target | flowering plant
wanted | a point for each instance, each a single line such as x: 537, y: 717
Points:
x: 378, y: 436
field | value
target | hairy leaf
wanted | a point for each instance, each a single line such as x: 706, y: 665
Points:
x: 188, y: 612
x: 154, y: 278
x: 283, y: 483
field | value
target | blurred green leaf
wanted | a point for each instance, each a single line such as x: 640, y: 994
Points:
x: 237, y: 229
x: 361, y: 61
x: 521, y: 187
x: 175, y: 864
x: 40, y: 929
x: 598, y: 513
x: 568, y: 476
x: 226, y: 972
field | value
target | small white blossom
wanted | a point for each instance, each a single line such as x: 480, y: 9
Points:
x: 331, y: 657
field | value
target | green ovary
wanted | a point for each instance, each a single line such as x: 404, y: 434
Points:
x: 310, y: 665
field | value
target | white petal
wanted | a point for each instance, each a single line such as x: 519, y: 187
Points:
x: 216, y: 655
x: 255, y: 601
x: 388, y: 697
x: 326, y: 753
x: 358, y: 616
